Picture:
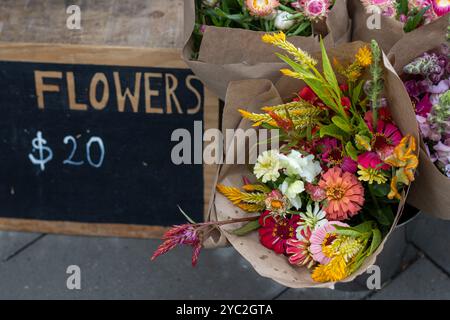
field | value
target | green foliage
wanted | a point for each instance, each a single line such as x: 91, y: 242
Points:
x: 247, y: 228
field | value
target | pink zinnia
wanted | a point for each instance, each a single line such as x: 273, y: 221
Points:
x: 323, y: 236
x: 385, y: 138
x: 372, y: 160
x: 316, y: 193
x: 298, y: 250
x: 345, y: 194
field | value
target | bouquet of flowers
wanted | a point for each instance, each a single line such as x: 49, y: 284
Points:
x: 428, y: 85
x: 411, y: 13
x: 316, y: 210
x: 389, y: 21
x: 428, y: 90
x: 294, y: 17
x: 223, y: 35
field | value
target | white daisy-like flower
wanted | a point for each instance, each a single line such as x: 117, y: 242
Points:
x: 312, y: 219
x: 267, y: 166
x: 297, y: 164
x: 292, y: 189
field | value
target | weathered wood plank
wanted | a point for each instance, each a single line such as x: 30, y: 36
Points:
x: 138, y: 23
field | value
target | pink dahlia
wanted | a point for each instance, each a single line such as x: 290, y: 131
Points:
x: 313, y: 9
x: 323, y: 237
x: 298, y: 250
x: 274, y: 234
x: 345, y: 194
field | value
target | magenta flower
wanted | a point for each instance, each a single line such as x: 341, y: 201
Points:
x: 441, y: 7
x: 187, y: 234
x: 423, y: 107
x: 372, y: 160
x: 313, y: 9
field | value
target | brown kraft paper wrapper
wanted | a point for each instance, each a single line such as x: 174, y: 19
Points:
x: 430, y: 192
x: 390, y: 33
x: 252, y: 95
x: 228, y: 54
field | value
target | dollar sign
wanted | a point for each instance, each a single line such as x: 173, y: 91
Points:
x: 38, y: 144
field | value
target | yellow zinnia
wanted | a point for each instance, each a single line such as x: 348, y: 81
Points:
x: 371, y: 175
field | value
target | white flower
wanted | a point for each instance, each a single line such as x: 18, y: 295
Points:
x: 210, y: 3
x: 296, y: 164
x: 267, y: 166
x: 283, y: 20
x: 292, y: 189
x: 312, y: 219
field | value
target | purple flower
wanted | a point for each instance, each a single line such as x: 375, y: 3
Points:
x: 442, y: 152
x: 423, y: 107
x: 349, y: 165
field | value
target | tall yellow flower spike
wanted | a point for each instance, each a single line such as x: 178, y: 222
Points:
x: 279, y: 40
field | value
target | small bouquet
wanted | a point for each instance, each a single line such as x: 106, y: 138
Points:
x: 389, y: 21
x: 316, y: 209
x: 421, y: 59
x: 411, y: 13
x: 223, y: 36
x: 428, y: 85
x: 294, y: 17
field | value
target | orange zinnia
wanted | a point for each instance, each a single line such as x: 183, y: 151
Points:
x: 345, y: 194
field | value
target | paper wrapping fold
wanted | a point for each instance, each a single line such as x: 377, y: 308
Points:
x: 389, y: 33
x: 252, y: 95
x: 431, y: 190
x: 228, y: 54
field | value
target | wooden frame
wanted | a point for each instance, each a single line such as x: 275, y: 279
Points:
x: 104, y: 55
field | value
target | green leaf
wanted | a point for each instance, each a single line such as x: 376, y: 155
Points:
x: 381, y: 190
x: 348, y: 232
x: 383, y: 215
x: 328, y: 70
x: 357, y: 92
x: 186, y: 215
x: 342, y: 124
x: 332, y: 130
x: 413, y: 22
x: 376, y: 241
x: 247, y: 228
x: 351, y: 151
x: 365, y: 227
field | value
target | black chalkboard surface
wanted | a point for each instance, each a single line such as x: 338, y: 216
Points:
x: 91, y: 144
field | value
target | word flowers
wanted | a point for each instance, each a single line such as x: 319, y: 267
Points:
x: 326, y: 197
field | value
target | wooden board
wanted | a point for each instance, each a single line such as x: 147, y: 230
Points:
x: 84, y: 62
x: 135, y: 23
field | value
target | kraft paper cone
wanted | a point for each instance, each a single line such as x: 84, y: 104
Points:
x: 430, y: 192
x: 228, y: 54
x: 390, y: 32
x: 252, y: 95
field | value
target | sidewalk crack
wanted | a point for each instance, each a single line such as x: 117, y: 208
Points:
x: 23, y: 248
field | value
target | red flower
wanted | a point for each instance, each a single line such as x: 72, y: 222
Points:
x: 344, y: 87
x: 383, y: 114
x: 298, y: 250
x: 274, y: 234
x: 346, y: 103
x: 308, y: 94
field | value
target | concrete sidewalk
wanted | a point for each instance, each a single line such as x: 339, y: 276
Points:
x: 33, y: 266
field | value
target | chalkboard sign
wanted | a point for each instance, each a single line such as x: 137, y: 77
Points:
x: 86, y: 140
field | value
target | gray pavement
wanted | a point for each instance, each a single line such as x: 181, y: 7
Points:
x: 33, y: 266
